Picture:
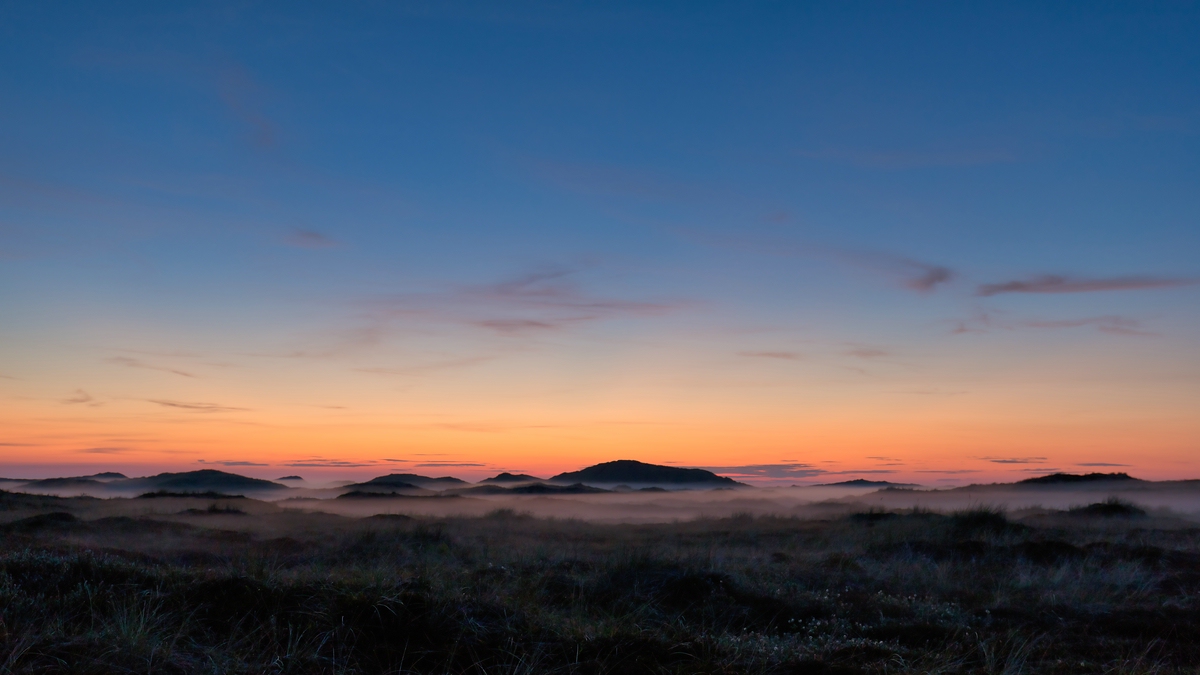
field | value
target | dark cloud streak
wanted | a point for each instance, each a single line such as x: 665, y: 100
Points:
x: 134, y: 363
x: 196, y: 407
x: 1054, y: 283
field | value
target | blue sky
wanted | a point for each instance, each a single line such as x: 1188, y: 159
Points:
x: 399, y: 186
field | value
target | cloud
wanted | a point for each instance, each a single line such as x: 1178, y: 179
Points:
x: 102, y: 451
x: 909, y: 273
x: 1117, y: 325
x: 914, y: 275
x: 426, y: 367
x: 231, y: 463
x: 196, y: 407
x: 984, y: 322
x: 781, y: 470
x: 514, y: 326
x: 19, y: 445
x: 81, y: 397
x: 322, y: 463
x: 857, y: 472
x: 1053, y: 283
x: 866, y: 353
x: 544, y: 299
x: 1099, y: 464
x: 301, y: 238
x: 1013, y: 460
x: 785, y: 356
x: 450, y: 464
x: 134, y: 363
x: 910, y: 159
x: 243, y: 96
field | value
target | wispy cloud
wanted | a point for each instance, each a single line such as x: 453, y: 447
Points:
x: 781, y: 470
x: 81, y: 397
x: 910, y: 159
x: 1099, y: 464
x: 243, y: 96
x: 230, y: 462
x: 1013, y: 460
x: 102, y: 450
x: 422, y: 368
x: 914, y: 275
x: 323, y: 463
x: 984, y: 322
x: 19, y: 445
x: 866, y: 353
x: 196, y: 407
x: 903, y: 271
x: 1117, y: 325
x: 784, y: 356
x: 450, y: 464
x: 302, y: 238
x: 135, y: 363
x: 545, y: 299
x: 1054, y: 283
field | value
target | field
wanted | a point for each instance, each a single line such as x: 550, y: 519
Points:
x: 215, y: 585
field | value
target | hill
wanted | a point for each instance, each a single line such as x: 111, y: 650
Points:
x: 409, y: 480
x: 1057, y: 478
x: 203, y: 480
x: 631, y: 472
x: 863, y: 482
x: 64, y: 484
x: 507, y: 477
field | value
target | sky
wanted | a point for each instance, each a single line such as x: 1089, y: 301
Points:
x: 941, y: 243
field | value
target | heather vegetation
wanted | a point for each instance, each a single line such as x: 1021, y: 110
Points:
x: 211, y: 589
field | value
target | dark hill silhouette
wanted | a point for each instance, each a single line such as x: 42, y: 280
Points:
x: 401, y: 480
x: 1057, y: 478
x: 64, y: 484
x: 629, y: 471
x: 290, y: 478
x: 546, y: 489
x: 507, y: 477
x: 531, y: 489
x: 195, y: 481
x: 863, y: 482
x: 390, y: 486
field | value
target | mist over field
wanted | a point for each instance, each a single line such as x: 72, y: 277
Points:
x: 1064, y: 573
x: 622, y: 502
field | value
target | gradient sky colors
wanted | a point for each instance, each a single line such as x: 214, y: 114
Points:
x: 799, y: 242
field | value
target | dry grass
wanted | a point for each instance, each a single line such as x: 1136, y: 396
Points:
x: 912, y: 592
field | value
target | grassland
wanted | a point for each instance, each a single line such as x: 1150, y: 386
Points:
x: 218, y: 588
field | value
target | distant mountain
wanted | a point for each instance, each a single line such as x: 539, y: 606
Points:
x: 96, y: 482
x: 410, y: 480
x: 390, y: 486
x: 545, y: 489
x: 631, y: 472
x: 203, y: 480
x: 1057, y: 478
x: 64, y: 484
x: 532, y: 489
x: 863, y: 482
x: 507, y: 477
x: 290, y: 478
x: 363, y: 494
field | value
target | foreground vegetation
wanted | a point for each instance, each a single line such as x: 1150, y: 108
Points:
x: 912, y: 592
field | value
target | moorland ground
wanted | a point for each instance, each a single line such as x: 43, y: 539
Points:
x: 212, y: 585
